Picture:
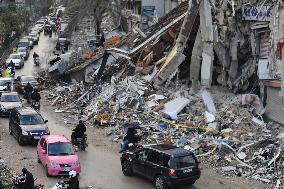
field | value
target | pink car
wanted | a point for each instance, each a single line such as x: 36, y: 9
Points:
x: 57, y: 155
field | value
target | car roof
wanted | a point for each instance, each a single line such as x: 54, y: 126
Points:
x: 10, y: 93
x: 55, y: 138
x: 5, y: 78
x: 26, y: 111
x: 26, y: 76
x: 170, y: 149
x: 24, y: 40
x: 15, y: 54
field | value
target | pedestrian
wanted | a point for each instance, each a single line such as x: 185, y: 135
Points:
x: 29, y: 179
x: 8, y: 87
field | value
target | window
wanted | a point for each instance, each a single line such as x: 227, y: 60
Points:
x: 142, y: 155
x: 10, y: 98
x: 154, y: 157
x: 32, y: 119
x: 183, y: 162
x: 166, y: 160
x: 60, y: 149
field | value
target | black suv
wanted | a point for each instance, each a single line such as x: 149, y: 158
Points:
x: 27, y: 125
x: 166, y: 165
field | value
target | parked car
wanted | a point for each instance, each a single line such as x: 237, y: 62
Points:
x: 4, y: 81
x: 62, y: 43
x: 57, y: 155
x: 35, y: 37
x: 24, y: 43
x: 27, y: 125
x: 24, y: 52
x: 22, y: 81
x: 31, y: 42
x: 166, y: 165
x: 8, y: 101
x: 17, y: 59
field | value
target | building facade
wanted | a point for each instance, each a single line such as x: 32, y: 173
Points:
x: 144, y: 13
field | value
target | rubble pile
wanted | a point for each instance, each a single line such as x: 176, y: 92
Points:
x: 217, y: 126
x: 6, y: 176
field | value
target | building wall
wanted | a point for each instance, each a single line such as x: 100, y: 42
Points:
x: 160, y: 6
x: 275, y: 105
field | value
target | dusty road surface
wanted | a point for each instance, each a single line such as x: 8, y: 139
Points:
x: 100, y: 166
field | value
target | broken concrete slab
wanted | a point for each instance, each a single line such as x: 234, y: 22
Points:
x: 175, y: 106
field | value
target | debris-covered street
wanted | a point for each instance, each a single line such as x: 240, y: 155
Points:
x: 139, y: 94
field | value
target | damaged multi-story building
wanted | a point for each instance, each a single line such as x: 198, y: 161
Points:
x: 230, y: 43
x: 238, y: 45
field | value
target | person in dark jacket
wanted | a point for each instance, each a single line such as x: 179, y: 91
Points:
x: 79, y: 131
x: 29, y: 179
x: 73, y: 182
x: 35, y: 96
x: 28, y: 91
x: 129, y: 138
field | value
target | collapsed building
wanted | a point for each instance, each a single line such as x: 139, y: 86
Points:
x: 144, y: 76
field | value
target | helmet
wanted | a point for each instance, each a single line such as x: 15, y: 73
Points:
x: 80, y: 122
x: 72, y: 174
x: 24, y: 170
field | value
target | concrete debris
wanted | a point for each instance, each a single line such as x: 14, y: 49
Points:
x: 146, y: 81
x: 6, y: 175
x: 173, y: 108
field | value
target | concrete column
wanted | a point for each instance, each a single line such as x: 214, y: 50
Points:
x: 196, y: 62
x: 206, y: 26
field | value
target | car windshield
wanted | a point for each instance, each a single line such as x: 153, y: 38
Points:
x: 5, y: 82
x: 15, y: 56
x: 29, y: 79
x: 60, y: 149
x: 21, y: 50
x: 10, y: 98
x: 33, y: 119
x: 184, y: 162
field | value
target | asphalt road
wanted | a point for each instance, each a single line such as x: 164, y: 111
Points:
x: 100, y: 168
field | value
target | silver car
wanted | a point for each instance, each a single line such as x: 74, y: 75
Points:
x: 17, y: 59
x: 4, y: 82
x: 8, y: 101
x: 24, y: 52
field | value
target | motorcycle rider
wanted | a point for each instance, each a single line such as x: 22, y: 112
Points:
x: 29, y: 179
x: 73, y: 182
x: 35, y: 55
x: 35, y: 96
x: 28, y: 90
x: 12, y: 65
x: 79, y: 131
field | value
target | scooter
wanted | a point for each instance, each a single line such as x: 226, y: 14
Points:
x: 64, y: 185
x: 81, y: 142
x: 35, y: 105
x: 36, y: 61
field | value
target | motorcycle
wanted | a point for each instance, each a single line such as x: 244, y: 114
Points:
x: 64, y: 185
x: 35, y: 105
x: 81, y: 142
x: 36, y: 61
x: 27, y: 96
x: 19, y: 181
